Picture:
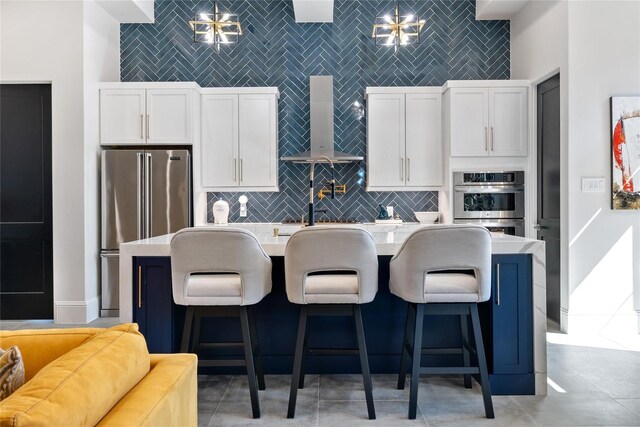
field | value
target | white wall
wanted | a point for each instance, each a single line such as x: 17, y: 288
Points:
x: 101, y: 63
x: 600, y: 248
x: 604, y: 245
x: 539, y: 50
x: 54, y: 54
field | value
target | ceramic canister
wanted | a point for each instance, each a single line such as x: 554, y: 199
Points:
x: 220, y: 212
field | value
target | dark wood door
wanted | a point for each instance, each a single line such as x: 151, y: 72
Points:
x: 26, y: 258
x: 548, y: 221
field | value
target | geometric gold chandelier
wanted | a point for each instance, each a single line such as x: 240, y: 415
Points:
x: 397, y: 30
x: 216, y: 28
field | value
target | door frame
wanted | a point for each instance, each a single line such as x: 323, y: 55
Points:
x: 532, y: 184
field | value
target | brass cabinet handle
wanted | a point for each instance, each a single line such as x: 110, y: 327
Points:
x: 241, y: 170
x: 401, y: 168
x: 139, y: 286
x: 486, y: 139
x: 498, y: 283
x: 492, y: 140
x: 235, y: 163
x: 142, y: 126
x: 408, y: 169
x: 148, y: 120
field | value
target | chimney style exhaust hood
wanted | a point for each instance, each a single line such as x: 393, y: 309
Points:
x: 321, y: 88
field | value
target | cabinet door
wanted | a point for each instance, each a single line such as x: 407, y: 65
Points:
x: 424, y: 141
x: 386, y: 141
x: 258, y: 141
x: 469, y: 122
x: 508, y: 121
x: 153, y: 302
x: 169, y: 116
x: 219, y: 153
x: 122, y: 116
x: 512, y: 315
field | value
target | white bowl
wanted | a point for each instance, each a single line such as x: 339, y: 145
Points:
x: 427, y: 217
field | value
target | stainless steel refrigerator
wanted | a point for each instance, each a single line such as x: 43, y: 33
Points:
x: 145, y: 193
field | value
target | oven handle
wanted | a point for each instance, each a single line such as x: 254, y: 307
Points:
x: 479, y: 189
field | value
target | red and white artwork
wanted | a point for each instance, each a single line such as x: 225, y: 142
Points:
x: 625, y: 147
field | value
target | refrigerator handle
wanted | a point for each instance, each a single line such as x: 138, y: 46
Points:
x: 140, y: 191
x: 147, y: 195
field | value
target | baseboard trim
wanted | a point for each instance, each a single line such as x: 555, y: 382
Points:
x: 77, y: 312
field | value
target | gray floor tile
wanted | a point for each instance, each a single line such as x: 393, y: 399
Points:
x: 211, y: 389
x: 350, y: 387
x: 615, y: 372
x: 631, y: 404
x: 235, y: 409
x: 577, y: 410
x: 445, y: 402
x: 354, y: 413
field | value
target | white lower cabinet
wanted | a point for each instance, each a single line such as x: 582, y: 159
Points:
x: 404, y: 139
x: 239, y: 141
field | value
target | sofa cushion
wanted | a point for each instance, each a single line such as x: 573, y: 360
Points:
x: 81, y: 386
x: 11, y: 371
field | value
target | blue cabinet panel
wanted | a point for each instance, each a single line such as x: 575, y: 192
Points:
x: 511, y: 315
x: 154, y: 311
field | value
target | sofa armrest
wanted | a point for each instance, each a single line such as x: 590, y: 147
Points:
x: 167, y: 396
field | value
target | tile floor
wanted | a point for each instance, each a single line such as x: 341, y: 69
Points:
x: 590, y: 385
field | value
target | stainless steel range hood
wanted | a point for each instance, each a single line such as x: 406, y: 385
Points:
x: 321, y: 88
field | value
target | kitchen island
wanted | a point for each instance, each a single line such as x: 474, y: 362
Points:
x: 514, y: 325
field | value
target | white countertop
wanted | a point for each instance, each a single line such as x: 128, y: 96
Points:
x: 388, y: 239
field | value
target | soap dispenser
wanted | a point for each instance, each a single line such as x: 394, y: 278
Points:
x: 221, y: 212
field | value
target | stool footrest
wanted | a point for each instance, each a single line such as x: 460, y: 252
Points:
x: 222, y: 362
x: 333, y: 351
x: 220, y: 344
x: 449, y: 370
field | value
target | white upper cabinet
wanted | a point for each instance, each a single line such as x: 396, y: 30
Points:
x: 122, y: 116
x: 385, y: 140
x: 239, y: 144
x: 404, y: 139
x: 487, y: 121
x: 147, y: 113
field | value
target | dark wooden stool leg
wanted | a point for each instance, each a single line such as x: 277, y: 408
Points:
x: 248, y: 356
x: 256, y: 348
x: 305, y: 355
x: 415, y: 361
x: 482, y: 362
x: 195, y: 342
x: 186, y: 331
x: 297, y: 361
x: 464, y: 330
x: 364, y: 362
x: 404, y: 353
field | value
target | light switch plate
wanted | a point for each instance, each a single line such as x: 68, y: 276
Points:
x: 593, y: 185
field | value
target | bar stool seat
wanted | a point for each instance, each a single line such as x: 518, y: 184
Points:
x: 220, y: 272
x: 330, y: 271
x: 443, y: 270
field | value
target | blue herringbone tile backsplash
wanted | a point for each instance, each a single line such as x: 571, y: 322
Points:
x: 275, y: 51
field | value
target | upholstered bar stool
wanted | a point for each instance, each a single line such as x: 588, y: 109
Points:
x: 443, y: 270
x: 330, y: 271
x: 221, y: 272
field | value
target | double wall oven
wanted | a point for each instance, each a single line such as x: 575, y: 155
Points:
x: 492, y: 199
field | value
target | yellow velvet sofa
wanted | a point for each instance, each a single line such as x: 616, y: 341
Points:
x: 105, y: 377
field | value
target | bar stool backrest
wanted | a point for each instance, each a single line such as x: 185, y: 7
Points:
x: 220, y: 250
x: 331, y: 249
x: 441, y: 248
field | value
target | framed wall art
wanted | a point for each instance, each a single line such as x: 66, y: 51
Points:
x: 625, y: 152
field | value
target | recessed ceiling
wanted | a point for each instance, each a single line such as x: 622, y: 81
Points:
x: 313, y: 10
x: 498, y: 9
